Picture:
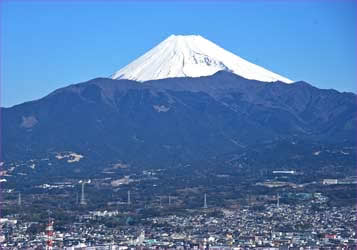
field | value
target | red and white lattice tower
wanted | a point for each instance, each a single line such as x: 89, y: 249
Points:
x: 49, y: 231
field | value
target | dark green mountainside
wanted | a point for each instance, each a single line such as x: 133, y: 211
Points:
x: 174, y: 121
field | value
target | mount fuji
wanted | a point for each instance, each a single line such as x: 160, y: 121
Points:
x: 191, y: 56
x: 199, y: 102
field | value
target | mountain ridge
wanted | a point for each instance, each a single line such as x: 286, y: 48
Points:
x: 174, y: 120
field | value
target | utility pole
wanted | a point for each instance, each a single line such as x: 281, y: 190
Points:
x: 277, y: 201
x: 19, y: 201
x: 83, y: 200
x: 129, y: 201
x: 205, y: 202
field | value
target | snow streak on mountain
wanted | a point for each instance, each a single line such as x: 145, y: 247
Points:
x: 191, y: 56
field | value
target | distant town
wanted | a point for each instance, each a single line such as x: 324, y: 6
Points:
x: 311, y: 225
x: 279, y: 214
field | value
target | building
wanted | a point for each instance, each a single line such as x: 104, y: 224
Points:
x: 329, y: 181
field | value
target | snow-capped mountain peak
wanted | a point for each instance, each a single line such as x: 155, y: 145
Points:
x: 191, y: 56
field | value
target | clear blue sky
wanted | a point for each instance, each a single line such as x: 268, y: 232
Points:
x: 50, y: 44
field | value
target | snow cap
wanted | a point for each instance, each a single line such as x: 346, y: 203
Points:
x: 191, y: 56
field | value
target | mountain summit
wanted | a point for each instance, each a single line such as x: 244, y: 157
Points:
x: 191, y: 56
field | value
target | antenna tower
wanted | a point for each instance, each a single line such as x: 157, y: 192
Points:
x: 49, y: 230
